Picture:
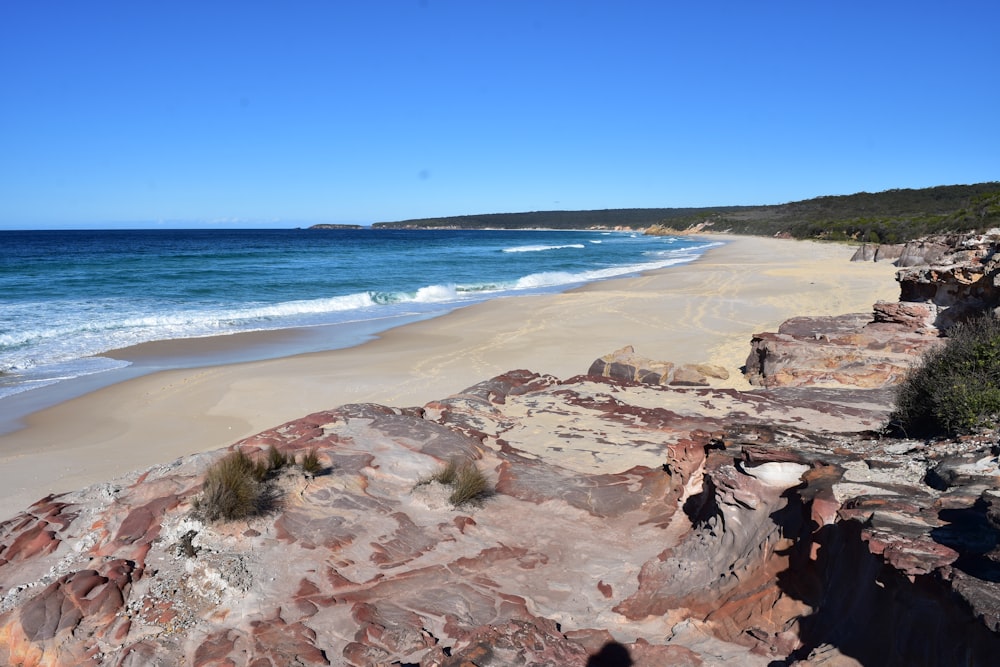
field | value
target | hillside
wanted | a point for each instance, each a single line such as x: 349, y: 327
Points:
x: 636, y: 218
x: 888, y: 217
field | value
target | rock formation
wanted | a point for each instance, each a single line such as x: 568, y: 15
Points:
x: 875, y: 349
x: 630, y: 523
x: 625, y: 364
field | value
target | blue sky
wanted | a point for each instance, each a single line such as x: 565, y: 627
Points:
x: 290, y: 113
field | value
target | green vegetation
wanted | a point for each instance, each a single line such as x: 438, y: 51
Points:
x: 635, y: 218
x: 893, y: 216
x: 956, y: 389
x: 467, y: 482
x: 333, y: 226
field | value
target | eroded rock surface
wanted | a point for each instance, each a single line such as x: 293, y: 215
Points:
x: 945, y: 280
x: 684, y: 526
x: 630, y: 522
x: 626, y: 364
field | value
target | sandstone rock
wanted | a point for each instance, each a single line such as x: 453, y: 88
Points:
x: 625, y: 364
x: 845, y: 350
x: 914, y: 317
x: 630, y: 521
x: 688, y: 376
x: 864, y: 253
x: 890, y: 252
x: 875, y: 252
x: 916, y: 253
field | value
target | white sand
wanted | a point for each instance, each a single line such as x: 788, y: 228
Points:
x: 700, y: 312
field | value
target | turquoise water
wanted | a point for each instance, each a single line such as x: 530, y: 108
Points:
x: 69, y: 298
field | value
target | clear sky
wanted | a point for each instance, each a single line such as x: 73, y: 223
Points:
x: 291, y: 113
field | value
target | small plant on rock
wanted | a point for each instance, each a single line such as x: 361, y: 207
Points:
x: 446, y: 475
x: 470, y: 484
x: 310, y: 463
x: 233, y: 489
x: 467, y: 482
x: 276, y: 460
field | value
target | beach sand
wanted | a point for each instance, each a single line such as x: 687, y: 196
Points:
x: 705, y: 311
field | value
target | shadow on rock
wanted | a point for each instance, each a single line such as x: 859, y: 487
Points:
x: 611, y: 654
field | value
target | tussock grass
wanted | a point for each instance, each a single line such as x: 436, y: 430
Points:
x: 468, y: 483
x: 310, y: 463
x: 276, y: 460
x: 233, y: 489
x: 447, y: 474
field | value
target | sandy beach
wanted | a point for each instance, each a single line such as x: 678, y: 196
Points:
x: 705, y: 311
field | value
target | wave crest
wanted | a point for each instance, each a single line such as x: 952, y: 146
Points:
x: 542, y: 248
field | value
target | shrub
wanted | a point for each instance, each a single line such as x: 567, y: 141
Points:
x: 233, y: 489
x: 310, y: 463
x: 956, y: 388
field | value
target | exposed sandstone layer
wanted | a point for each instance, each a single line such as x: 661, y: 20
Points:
x: 720, y: 530
x: 945, y: 280
x: 631, y: 522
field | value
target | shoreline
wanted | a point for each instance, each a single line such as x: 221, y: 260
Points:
x: 701, y: 311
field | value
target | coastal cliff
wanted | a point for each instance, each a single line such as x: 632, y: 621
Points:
x: 665, y: 522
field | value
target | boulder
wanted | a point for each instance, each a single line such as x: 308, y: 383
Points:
x: 625, y: 364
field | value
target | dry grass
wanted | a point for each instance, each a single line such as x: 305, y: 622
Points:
x: 233, y: 489
x: 447, y: 474
x: 468, y: 484
x: 310, y: 463
x: 276, y: 460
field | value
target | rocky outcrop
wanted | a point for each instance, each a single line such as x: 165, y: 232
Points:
x: 914, y: 253
x: 856, y: 350
x: 672, y: 525
x: 631, y: 522
x: 625, y: 364
x: 948, y: 280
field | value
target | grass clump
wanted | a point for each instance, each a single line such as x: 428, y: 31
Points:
x: 446, y: 475
x: 310, y: 463
x: 276, y: 460
x: 956, y: 388
x: 233, y: 489
x: 467, y: 482
x: 470, y: 484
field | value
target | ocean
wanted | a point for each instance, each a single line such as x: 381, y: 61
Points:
x: 69, y: 299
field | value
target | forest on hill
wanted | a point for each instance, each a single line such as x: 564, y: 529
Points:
x: 891, y: 216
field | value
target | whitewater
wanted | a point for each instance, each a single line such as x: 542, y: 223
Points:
x: 69, y: 299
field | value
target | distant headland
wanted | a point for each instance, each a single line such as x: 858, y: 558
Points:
x: 892, y: 216
x: 333, y: 226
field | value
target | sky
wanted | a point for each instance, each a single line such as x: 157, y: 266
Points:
x: 283, y: 114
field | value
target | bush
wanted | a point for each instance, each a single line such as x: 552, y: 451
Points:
x: 956, y: 388
x: 233, y: 489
